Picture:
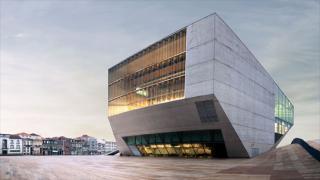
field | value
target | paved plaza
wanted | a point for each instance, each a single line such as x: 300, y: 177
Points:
x: 289, y: 162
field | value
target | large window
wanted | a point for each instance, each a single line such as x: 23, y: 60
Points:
x: 207, y: 143
x: 206, y: 111
x: 284, y: 112
x: 152, y: 76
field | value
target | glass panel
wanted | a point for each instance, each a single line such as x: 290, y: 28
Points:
x: 206, y: 137
x: 131, y: 140
x: 152, y: 76
x: 186, y: 137
x: 158, y: 139
x: 188, y: 143
x: 174, y: 138
x: 196, y: 137
x: 284, y: 112
x: 144, y: 140
x: 206, y: 111
x: 152, y: 139
x: 167, y: 138
x: 138, y: 140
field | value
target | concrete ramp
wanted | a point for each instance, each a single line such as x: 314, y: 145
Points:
x: 288, y: 162
x: 309, y: 147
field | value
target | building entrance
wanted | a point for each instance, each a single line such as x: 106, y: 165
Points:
x: 208, y: 143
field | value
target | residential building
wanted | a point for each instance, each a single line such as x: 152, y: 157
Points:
x: 101, y: 146
x: 93, y: 148
x: 51, y: 146
x: 64, y: 144
x: 26, y: 143
x: 36, y: 144
x: 110, y: 146
x: 90, y: 146
x: 77, y: 147
x: 85, y: 147
x: 4, y: 144
x: 15, y: 145
x: 198, y: 92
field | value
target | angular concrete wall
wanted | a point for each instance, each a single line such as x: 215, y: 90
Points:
x: 181, y: 115
x: 219, y: 63
x: 199, y: 58
x: 219, y: 67
x: 244, y: 89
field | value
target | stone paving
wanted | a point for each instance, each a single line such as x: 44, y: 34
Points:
x: 289, y: 162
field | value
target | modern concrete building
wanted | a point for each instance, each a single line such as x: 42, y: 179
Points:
x: 197, y: 92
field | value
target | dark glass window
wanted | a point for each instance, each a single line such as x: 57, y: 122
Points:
x: 187, y: 143
x: 206, y: 111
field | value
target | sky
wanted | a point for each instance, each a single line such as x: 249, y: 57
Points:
x: 54, y: 56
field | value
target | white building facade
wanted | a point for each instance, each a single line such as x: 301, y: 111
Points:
x: 36, y: 144
x: 4, y: 144
x: 110, y: 146
x: 15, y: 145
x: 26, y: 143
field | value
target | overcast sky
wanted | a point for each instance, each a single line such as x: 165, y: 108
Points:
x: 55, y: 56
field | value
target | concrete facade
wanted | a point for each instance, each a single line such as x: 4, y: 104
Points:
x: 218, y: 67
x: 172, y: 117
x: 219, y: 63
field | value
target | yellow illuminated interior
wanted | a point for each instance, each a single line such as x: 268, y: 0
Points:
x: 154, y: 75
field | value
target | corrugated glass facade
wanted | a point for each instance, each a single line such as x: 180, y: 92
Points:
x: 206, y: 143
x: 284, y: 112
x: 151, y: 76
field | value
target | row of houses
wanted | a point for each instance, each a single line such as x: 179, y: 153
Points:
x: 34, y: 144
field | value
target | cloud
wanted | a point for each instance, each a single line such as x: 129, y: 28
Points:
x: 54, y: 55
x: 20, y: 35
x: 292, y: 57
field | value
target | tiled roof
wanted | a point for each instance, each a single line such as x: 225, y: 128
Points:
x: 34, y: 134
x: 14, y: 137
x: 23, y: 134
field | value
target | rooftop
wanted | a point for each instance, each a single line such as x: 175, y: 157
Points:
x: 14, y: 137
x: 34, y: 134
x: 23, y: 134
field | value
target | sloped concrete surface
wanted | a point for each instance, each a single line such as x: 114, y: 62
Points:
x: 289, y: 162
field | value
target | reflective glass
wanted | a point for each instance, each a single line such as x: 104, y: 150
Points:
x: 186, y: 144
x: 206, y: 111
x: 284, y: 112
x: 152, y: 76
